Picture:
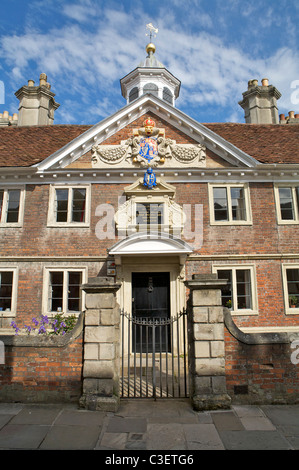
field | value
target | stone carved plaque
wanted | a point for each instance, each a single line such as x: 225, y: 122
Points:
x: 148, y: 147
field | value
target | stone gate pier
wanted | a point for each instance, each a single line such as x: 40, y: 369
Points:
x: 206, y: 343
x: 101, y: 345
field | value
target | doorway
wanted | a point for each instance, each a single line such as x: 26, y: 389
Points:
x: 151, y: 302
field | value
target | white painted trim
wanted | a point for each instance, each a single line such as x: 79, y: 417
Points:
x: 254, y: 297
x: 246, y: 188
x: 291, y: 185
x: 288, y: 309
x: 145, y: 103
x: 51, y: 222
x: 143, y: 243
x: 20, y: 222
x: 14, y: 293
x: 62, y: 268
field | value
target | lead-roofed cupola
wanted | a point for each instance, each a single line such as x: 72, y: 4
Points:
x: 150, y: 76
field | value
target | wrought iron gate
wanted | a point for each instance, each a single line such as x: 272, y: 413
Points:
x: 154, y: 361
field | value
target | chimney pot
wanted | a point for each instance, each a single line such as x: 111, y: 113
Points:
x: 30, y: 82
x: 296, y: 116
x: 5, y: 114
x: 15, y: 117
x: 254, y: 82
x: 282, y: 117
x: 291, y: 114
x: 265, y: 82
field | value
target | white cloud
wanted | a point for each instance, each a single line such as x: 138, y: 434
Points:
x: 88, y: 62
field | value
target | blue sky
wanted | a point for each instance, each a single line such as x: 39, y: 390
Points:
x: 212, y: 46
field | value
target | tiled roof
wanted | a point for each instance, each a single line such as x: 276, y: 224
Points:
x: 267, y: 143
x: 26, y: 146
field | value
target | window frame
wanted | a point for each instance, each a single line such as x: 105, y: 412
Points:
x: 4, y: 208
x: 46, y: 286
x: 295, y: 199
x: 254, y: 298
x: 230, y: 221
x: 14, y: 290
x: 288, y: 310
x: 52, y: 201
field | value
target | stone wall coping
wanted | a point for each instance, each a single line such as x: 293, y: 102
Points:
x: 205, y: 281
x: 257, y: 338
x: 44, y: 341
x: 100, y: 284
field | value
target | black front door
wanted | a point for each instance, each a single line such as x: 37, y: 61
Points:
x: 151, y: 300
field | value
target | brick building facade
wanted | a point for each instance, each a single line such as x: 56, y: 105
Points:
x: 77, y: 203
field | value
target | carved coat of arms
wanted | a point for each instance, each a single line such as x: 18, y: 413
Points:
x: 148, y: 147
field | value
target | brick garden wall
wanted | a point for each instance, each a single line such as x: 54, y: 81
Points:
x: 42, y: 369
x: 260, y: 373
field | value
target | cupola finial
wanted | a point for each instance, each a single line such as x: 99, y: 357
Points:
x: 152, y: 34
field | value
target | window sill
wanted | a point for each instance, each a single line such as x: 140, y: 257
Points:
x: 241, y: 222
x: 69, y: 225
x: 243, y: 312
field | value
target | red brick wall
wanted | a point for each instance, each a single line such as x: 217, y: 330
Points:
x: 260, y: 373
x: 42, y: 373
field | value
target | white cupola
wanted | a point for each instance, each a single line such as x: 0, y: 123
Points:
x: 150, y: 77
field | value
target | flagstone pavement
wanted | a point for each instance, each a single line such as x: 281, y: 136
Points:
x: 147, y: 425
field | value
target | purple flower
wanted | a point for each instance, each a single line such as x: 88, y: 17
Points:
x: 41, y: 330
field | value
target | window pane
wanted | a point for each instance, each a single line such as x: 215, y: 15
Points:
x: 293, y: 286
x: 238, y: 204
x: 74, y: 297
x: 1, y: 202
x: 61, y: 205
x: 167, y: 95
x: 243, y: 288
x: 78, y: 213
x: 226, y: 292
x: 5, y: 289
x: 56, y: 291
x: 286, y: 203
x: 13, y: 203
x: 220, y: 204
x: 133, y: 94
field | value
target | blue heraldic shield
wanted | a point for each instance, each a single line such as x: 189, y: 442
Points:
x: 149, y: 179
x: 148, y: 148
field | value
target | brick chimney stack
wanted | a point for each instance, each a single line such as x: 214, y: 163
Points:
x: 37, y: 103
x: 260, y: 103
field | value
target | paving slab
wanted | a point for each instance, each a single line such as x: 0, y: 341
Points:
x: 4, y: 419
x: 45, y: 415
x: 22, y: 436
x: 257, y: 423
x: 202, y: 437
x: 80, y: 417
x: 113, y: 441
x: 119, y: 424
x: 71, y: 438
x: 227, y: 421
x: 165, y: 437
x: 254, y: 440
x: 282, y: 415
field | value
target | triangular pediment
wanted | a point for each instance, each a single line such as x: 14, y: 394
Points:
x: 100, y: 133
x: 161, y: 188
